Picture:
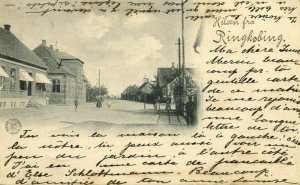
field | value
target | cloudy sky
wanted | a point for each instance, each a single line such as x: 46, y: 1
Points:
x: 125, y: 49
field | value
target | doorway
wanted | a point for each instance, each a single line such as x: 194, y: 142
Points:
x: 29, y: 90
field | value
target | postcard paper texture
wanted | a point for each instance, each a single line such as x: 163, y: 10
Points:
x: 149, y: 92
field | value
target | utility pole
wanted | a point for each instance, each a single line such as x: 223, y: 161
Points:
x: 183, y: 58
x: 179, y: 55
x: 179, y: 93
x: 99, y: 84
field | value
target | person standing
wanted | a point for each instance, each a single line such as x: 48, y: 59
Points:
x: 189, y: 107
x: 98, y: 101
x: 158, y: 105
x: 108, y: 102
x: 168, y: 104
x: 76, y: 102
x: 154, y: 104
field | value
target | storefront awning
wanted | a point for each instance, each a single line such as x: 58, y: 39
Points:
x: 25, y: 76
x: 41, y: 78
x: 3, y: 73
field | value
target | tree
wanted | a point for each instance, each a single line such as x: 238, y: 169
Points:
x: 92, y: 92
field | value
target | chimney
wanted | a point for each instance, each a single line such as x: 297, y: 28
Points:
x: 51, y: 46
x: 7, y: 27
x: 173, y: 67
x: 146, y: 80
x: 44, y: 42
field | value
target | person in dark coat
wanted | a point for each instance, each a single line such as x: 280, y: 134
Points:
x: 168, y: 104
x: 76, y: 102
x: 190, y: 106
x: 98, y: 102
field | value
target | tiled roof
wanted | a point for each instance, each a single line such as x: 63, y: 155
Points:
x: 66, y: 56
x: 12, y: 48
x: 50, y: 59
x: 166, y: 75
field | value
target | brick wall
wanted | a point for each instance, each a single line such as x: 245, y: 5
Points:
x: 11, y: 96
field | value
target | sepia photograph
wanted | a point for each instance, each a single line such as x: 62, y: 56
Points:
x: 138, y: 92
x: 98, y: 69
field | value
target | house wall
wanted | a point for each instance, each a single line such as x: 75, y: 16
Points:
x: 67, y: 92
x: 80, y: 84
x: 12, y: 96
x: 56, y: 97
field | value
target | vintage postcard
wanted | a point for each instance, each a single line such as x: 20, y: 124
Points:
x: 175, y: 92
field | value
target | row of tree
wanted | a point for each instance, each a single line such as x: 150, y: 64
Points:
x: 93, y: 91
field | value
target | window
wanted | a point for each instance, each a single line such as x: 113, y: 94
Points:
x: 23, y: 85
x: 2, y: 83
x: 40, y: 87
x: 12, y: 79
x: 56, y: 85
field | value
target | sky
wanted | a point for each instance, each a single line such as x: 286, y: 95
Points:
x: 124, y: 49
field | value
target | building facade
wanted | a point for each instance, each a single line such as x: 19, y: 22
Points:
x: 23, y: 77
x: 66, y: 74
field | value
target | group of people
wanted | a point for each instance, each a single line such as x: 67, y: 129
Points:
x: 99, y: 102
x: 190, y: 108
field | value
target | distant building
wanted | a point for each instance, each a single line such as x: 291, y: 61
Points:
x: 146, y: 91
x: 66, y: 74
x: 167, y: 75
x: 23, y: 80
x: 164, y: 77
x: 131, y: 93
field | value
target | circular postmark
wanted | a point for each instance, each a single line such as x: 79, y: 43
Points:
x: 13, y: 126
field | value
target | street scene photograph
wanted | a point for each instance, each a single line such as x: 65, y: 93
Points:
x: 93, y: 70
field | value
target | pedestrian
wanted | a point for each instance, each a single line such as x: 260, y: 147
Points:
x: 189, y: 111
x: 154, y: 104
x: 158, y: 105
x: 168, y: 104
x: 108, y: 102
x: 76, y: 102
x: 98, y: 102
x: 47, y: 100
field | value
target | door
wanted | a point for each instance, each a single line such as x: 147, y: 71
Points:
x: 29, y: 90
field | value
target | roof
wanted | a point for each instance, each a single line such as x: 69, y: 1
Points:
x: 66, y: 56
x: 146, y: 87
x: 53, y: 58
x: 131, y: 89
x: 50, y: 59
x: 11, y: 48
x: 166, y: 75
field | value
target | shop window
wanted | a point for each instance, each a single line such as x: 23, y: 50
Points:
x: 23, y: 85
x: 40, y: 87
x: 56, y: 85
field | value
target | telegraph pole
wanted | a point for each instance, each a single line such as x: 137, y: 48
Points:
x: 182, y: 35
x: 183, y: 58
x: 179, y: 93
x: 99, y: 84
x: 179, y: 54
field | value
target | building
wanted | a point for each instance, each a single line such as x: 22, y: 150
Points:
x: 146, y: 91
x: 167, y: 76
x: 23, y: 78
x: 66, y: 74
x: 131, y: 93
x: 164, y: 77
